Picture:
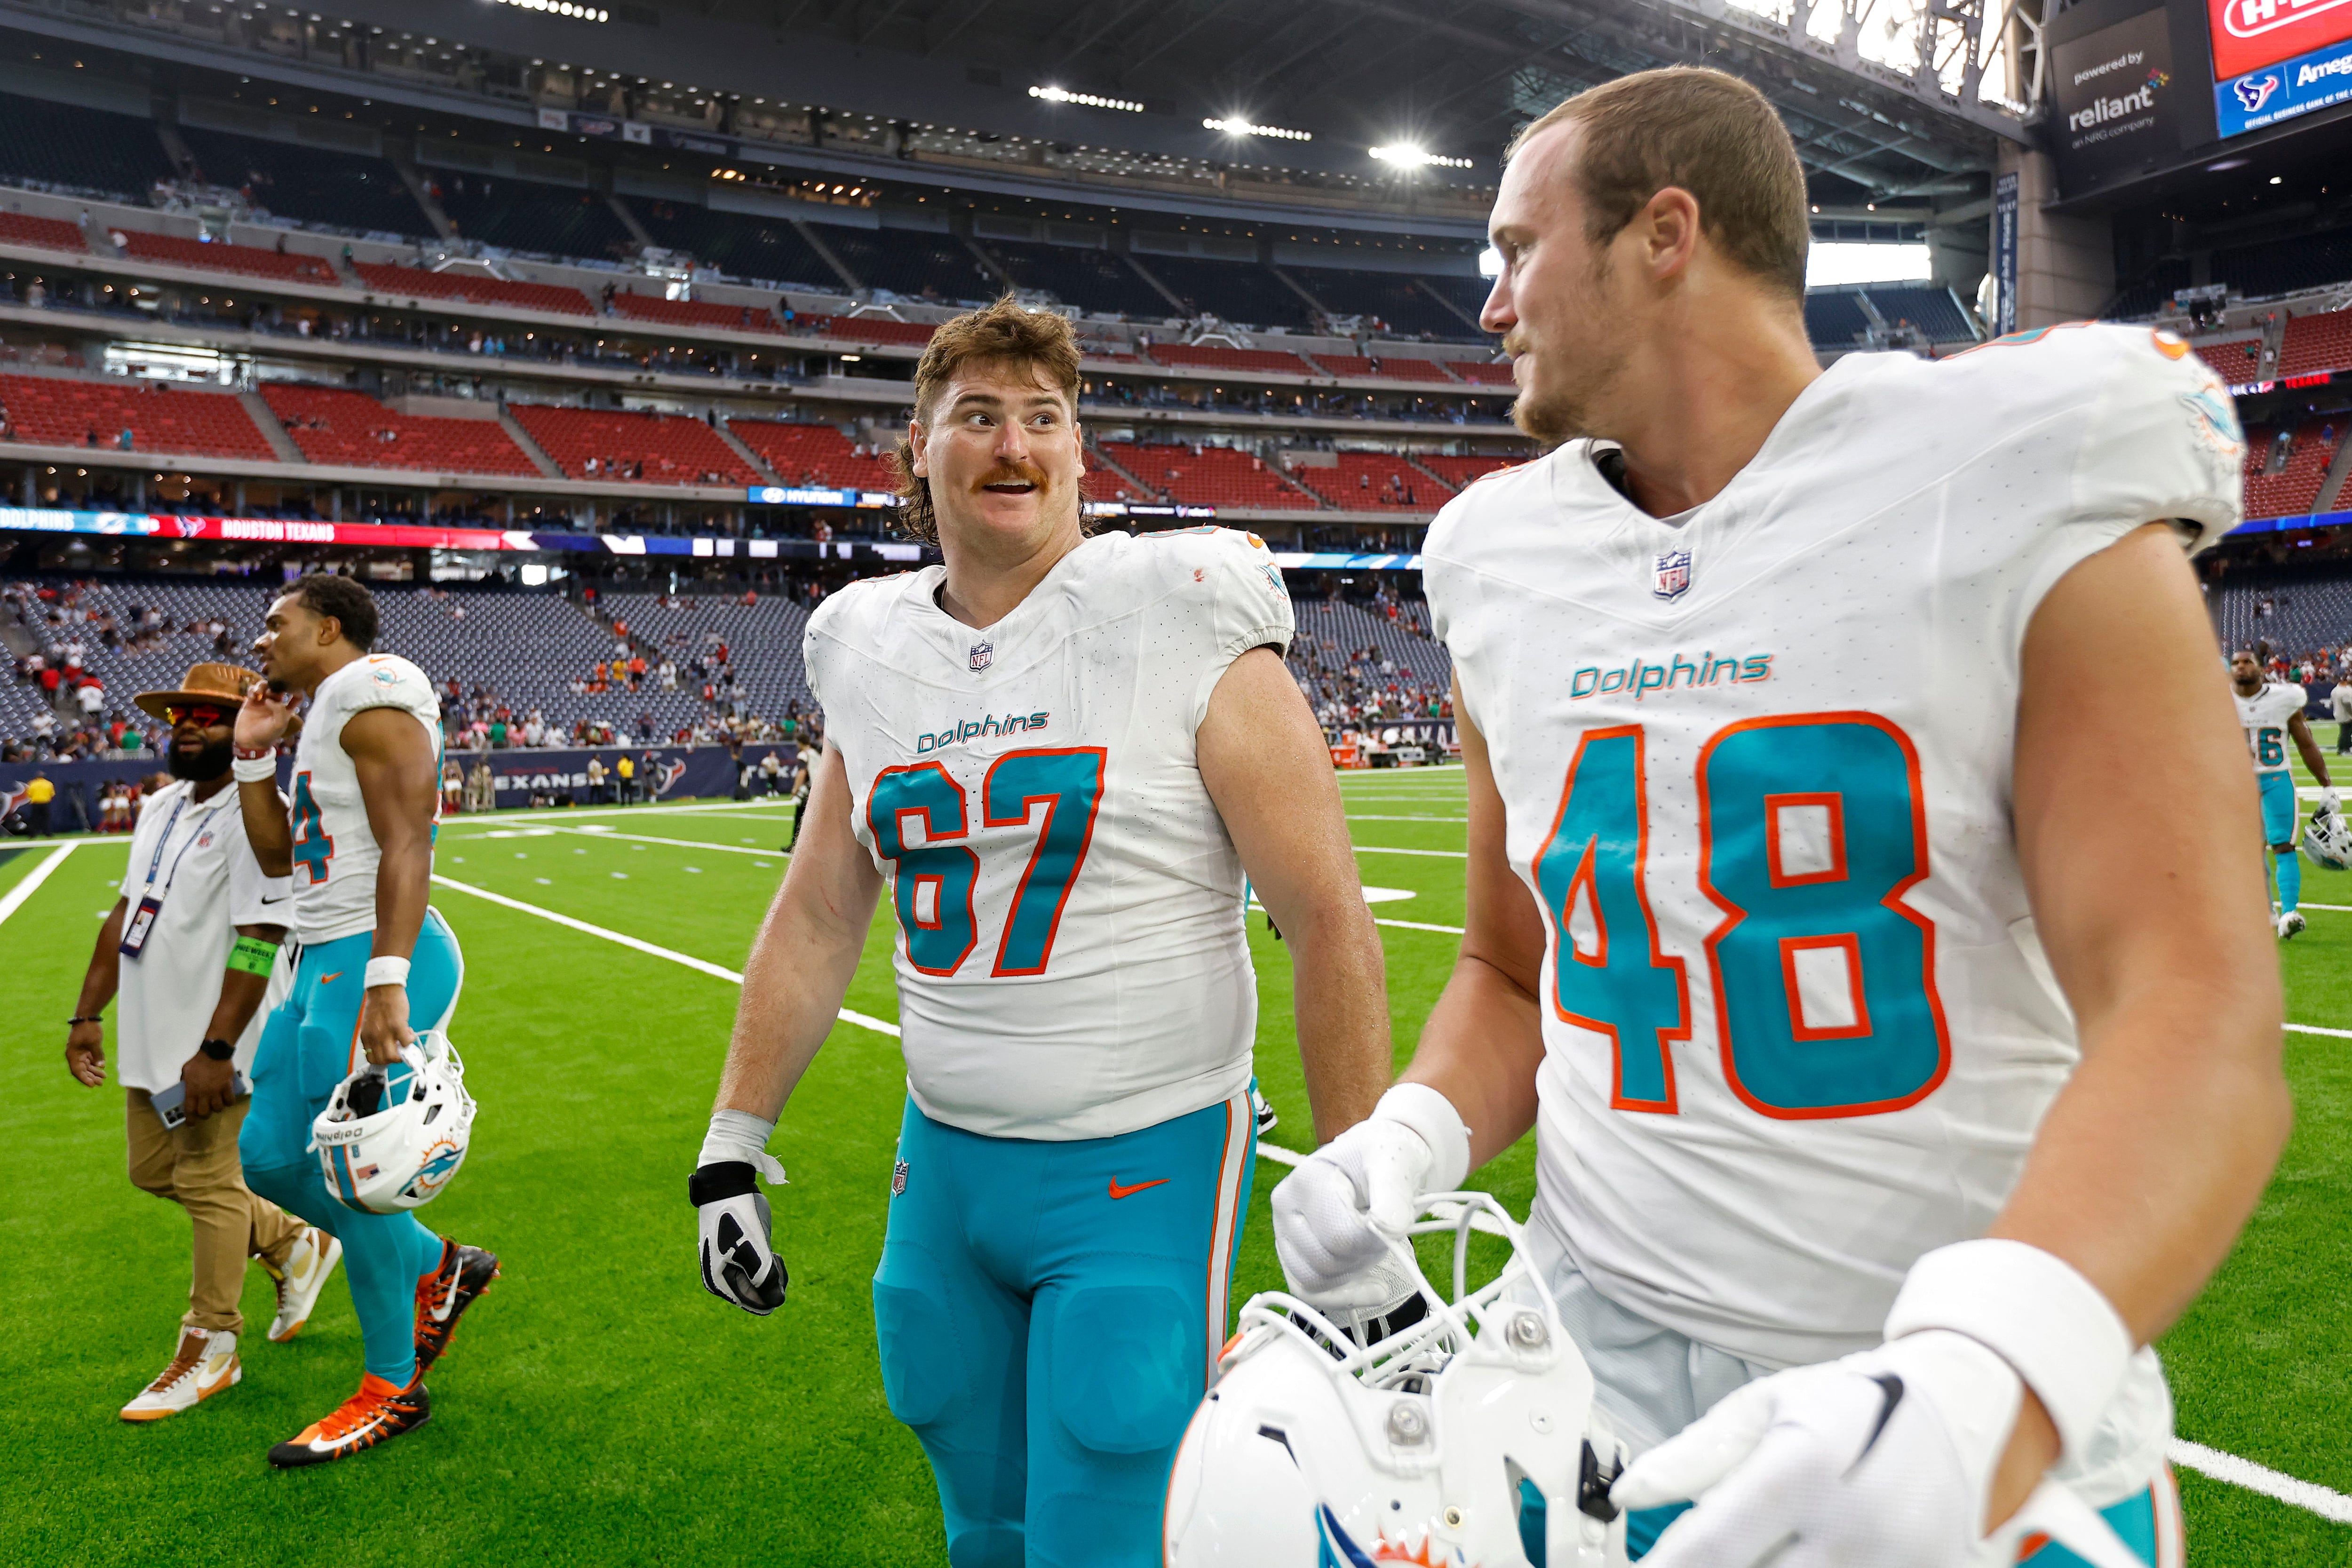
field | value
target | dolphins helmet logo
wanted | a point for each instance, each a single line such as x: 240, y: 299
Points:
x: 439, y: 1165
x: 2253, y: 91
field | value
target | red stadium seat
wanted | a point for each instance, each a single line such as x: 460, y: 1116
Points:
x: 59, y: 411
x: 346, y: 427
x: 1206, y: 475
x: 817, y: 456
x: 633, y: 448
x: 2236, y: 363
x: 50, y: 233
x: 251, y: 260
x: 474, y: 288
x: 1374, y: 481
x: 2316, y: 343
x: 1482, y: 372
x: 1389, y: 367
x: 1257, y: 362
x: 695, y: 313
x: 2291, y: 492
x: 1460, y: 471
x: 871, y: 329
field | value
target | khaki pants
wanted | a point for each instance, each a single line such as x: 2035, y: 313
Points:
x: 196, y: 1167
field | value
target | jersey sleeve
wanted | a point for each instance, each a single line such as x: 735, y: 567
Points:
x: 394, y: 683
x: 1247, y: 605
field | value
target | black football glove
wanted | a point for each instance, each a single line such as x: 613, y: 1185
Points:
x: 739, y: 1265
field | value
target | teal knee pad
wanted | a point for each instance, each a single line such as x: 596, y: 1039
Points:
x: 922, y: 1360
x: 1125, y: 1377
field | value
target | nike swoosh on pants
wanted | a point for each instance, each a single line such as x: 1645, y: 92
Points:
x: 1117, y: 1192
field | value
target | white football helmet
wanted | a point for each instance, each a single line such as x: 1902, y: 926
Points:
x: 2328, y: 840
x: 1470, y: 1436
x: 392, y: 1137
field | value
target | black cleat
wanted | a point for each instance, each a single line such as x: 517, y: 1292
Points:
x: 442, y: 1296
x: 377, y: 1412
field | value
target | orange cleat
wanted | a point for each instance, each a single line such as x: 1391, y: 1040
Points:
x: 378, y: 1411
x: 442, y: 1296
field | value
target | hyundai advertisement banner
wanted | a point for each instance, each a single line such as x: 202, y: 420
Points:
x: 2276, y: 59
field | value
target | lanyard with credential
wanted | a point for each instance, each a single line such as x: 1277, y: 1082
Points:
x: 136, y: 930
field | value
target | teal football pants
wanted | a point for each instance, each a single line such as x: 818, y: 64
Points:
x: 2278, y: 827
x: 309, y: 1045
x: 1049, y: 1316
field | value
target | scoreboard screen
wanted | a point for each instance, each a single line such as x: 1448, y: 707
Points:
x: 2277, y: 59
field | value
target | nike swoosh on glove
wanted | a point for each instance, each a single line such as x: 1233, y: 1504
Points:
x: 739, y: 1265
x: 1336, y: 1215
x: 1886, y: 1457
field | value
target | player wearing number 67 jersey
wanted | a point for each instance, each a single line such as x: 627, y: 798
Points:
x: 1860, y: 1021
x: 1060, y: 755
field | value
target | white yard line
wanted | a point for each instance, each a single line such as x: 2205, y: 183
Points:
x: 718, y: 972
x: 1366, y: 817
x: 2237, y: 1472
x: 2316, y: 1029
x: 1390, y: 849
x: 681, y: 843
x: 33, y: 878
x: 1420, y: 925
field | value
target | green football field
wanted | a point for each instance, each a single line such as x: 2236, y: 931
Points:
x: 597, y: 1407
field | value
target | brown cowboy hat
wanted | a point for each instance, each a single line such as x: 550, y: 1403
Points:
x: 225, y: 684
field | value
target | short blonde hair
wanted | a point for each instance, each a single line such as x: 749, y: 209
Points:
x: 1707, y: 133
x: 1005, y: 332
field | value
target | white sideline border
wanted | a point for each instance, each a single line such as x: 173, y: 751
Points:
x: 30, y: 883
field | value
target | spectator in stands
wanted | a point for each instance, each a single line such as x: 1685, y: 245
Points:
x: 2339, y: 702
x: 452, y: 787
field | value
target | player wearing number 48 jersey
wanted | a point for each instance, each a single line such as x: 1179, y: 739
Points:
x: 1893, y: 1085
x: 377, y: 964
x: 1060, y: 754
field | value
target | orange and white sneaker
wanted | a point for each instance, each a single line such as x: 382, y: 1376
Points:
x: 205, y: 1364
x: 313, y: 1258
x: 378, y: 1411
x: 442, y: 1296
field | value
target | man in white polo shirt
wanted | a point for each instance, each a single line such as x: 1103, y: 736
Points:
x: 197, y: 923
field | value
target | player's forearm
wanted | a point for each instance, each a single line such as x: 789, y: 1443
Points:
x: 267, y: 828
x: 1339, y: 982
x: 104, y: 976
x: 240, y: 998
x: 404, y: 888
x: 2312, y: 757
x: 794, y: 983
x: 1480, y: 1049
x: 2151, y: 1160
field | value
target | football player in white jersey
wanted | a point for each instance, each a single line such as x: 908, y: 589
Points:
x: 376, y: 960
x: 1893, y: 1086
x: 1059, y: 754
x: 2270, y: 716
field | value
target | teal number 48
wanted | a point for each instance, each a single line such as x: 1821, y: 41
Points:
x: 1810, y: 829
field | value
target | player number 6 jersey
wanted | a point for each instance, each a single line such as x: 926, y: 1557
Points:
x: 2265, y: 717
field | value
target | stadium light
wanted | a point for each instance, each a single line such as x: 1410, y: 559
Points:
x: 1407, y: 156
x: 559, y: 8
x: 1064, y: 95
x: 1234, y: 125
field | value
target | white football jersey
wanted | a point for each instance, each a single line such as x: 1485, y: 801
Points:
x: 1756, y: 768
x: 2265, y: 717
x: 335, y: 851
x: 1072, y: 961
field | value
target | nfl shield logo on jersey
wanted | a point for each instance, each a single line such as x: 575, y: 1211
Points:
x: 981, y: 653
x: 1673, y: 575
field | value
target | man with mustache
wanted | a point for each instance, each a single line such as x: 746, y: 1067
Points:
x: 1061, y: 755
x: 197, y: 921
x: 1893, y: 1085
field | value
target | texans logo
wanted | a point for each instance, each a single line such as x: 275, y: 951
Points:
x: 666, y: 775
x: 2253, y: 91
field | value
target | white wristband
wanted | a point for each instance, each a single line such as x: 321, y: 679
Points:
x: 254, y: 770
x: 387, y: 971
x: 1432, y: 1115
x: 2063, y: 1337
x: 739, y: 1135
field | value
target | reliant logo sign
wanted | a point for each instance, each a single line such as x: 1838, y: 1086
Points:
x: 2140, y: 100
x: 2115, y: 101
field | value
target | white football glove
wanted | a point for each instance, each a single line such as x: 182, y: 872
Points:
x: 2327, y: 798
x: 738, y: 1262
x: 1885, y: 1457
x: 1337, y: 1214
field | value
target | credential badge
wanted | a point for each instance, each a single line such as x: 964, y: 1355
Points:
x: 1674, y: 578
x: 982, y: 654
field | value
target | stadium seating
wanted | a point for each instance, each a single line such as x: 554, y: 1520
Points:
x: 1932, y: 310
x: 1460, y: 471
x: 670, y: 448
x: 49, y: 233
x: 1349, y: 626
x: 2286, y: 266
x: 1090, y: 280
x: 313, y: 184
x: 331, y: 425
x: 926, y: 266
x: 1834, y: 320
x: 2315, y: 343
x: 248, y: 260
x: 1389, y: 367
x: 62, y: 411
x: 762, y: 638
x: 1482, y: 372
x: 1207, y: 476
x: 475, y: 288
x: 1240, y: 291
x: 1252, y: 361
x: 90, y: 149
x: 1392, y: 298
x: 738, y: 243
x: 521, y: 214
x: 1468, y: 294
x: 2290, y: 492
x: 817, y: 454
x: 694, y: 314
x: 1374, y: 481
x: 869, y: 328
x: 2237, y: 362
x: 2156, y: 285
